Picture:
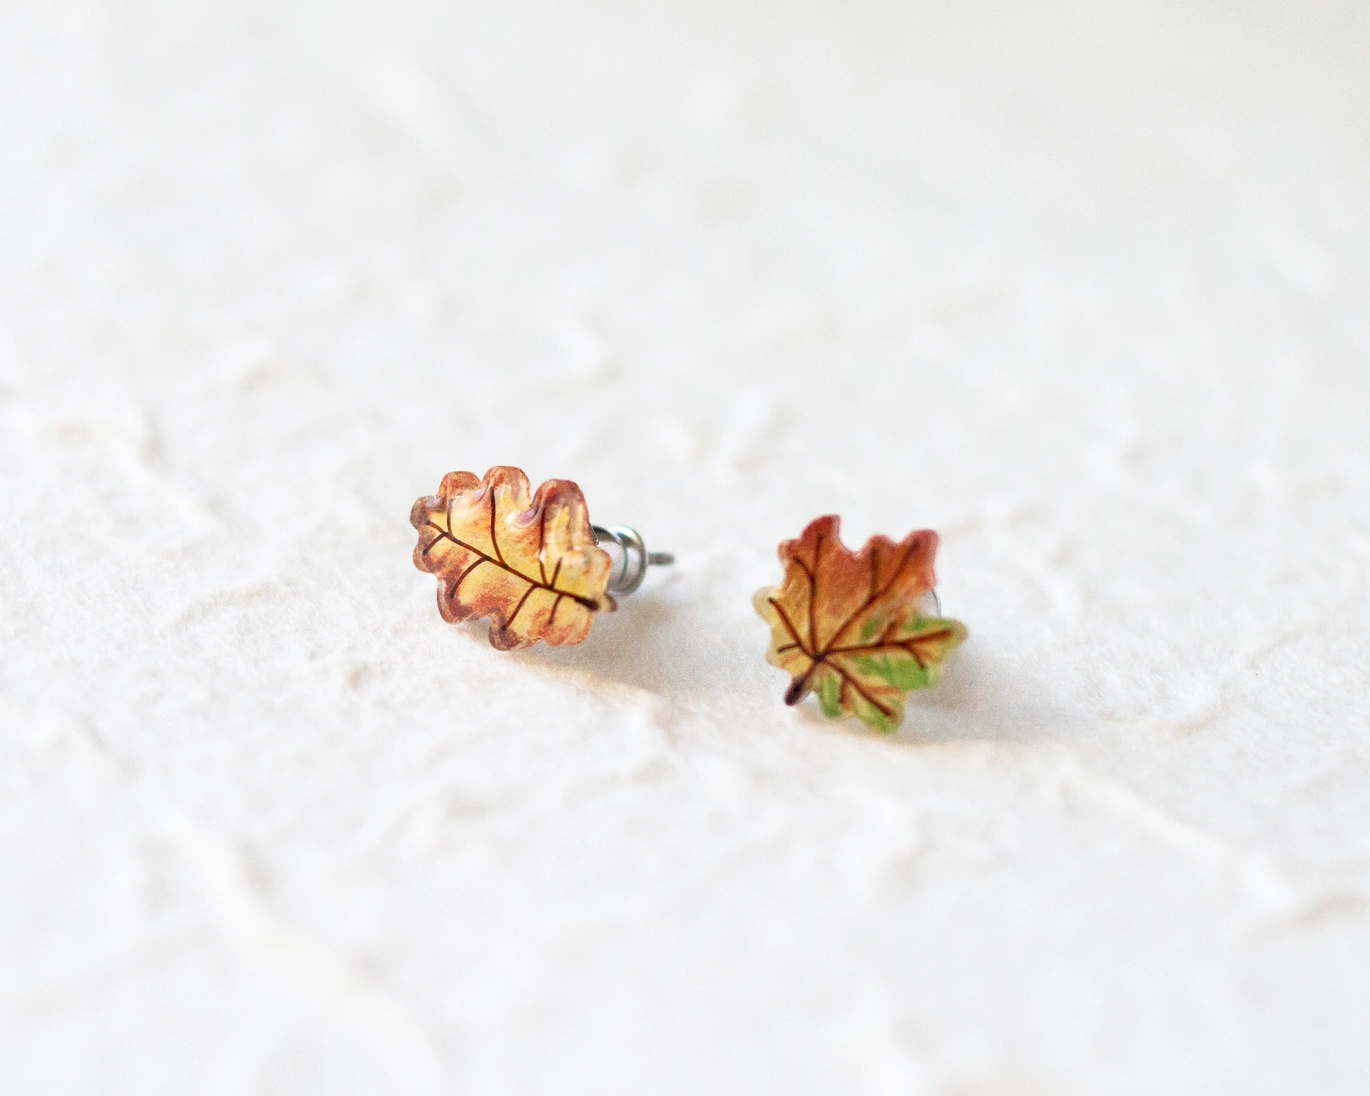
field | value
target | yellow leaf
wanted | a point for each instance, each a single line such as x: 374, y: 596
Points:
x: 529, y: 563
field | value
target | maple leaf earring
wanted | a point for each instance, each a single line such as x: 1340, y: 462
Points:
x: 860, y: 629
x: 533, y: 563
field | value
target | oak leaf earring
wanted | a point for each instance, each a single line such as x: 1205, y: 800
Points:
x: 532, y: 563
x: 860, y: 629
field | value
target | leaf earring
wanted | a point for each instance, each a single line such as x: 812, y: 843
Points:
x: 532, y: 563
x: 860, y: 629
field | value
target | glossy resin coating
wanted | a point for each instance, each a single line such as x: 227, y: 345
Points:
x: 853, y: 627
x: 530, y: 563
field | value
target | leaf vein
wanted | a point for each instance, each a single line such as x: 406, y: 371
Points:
x: 873, y: 598
x: 588, y: 603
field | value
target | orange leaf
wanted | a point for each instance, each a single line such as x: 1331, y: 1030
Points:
x: 531, y: 564
x: 854, y: 627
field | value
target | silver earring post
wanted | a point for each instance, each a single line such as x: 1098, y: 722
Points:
x: 631, y: 558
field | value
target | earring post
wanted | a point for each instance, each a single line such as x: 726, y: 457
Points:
x: 631, y: 558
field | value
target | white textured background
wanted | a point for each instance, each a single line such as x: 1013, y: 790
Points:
x: 1082, y: 285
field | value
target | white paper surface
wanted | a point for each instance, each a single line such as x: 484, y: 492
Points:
x: 1084, y: 287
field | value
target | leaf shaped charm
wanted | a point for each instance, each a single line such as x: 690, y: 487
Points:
x: 530, y: 563
x: 851, y: 626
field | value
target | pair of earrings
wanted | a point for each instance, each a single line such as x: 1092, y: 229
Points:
x: 861, y: 630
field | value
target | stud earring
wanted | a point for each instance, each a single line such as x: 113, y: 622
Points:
x: 860, y: 629
x: 533, y: 564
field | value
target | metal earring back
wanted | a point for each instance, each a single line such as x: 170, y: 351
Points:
x: 532, y: 563
x: 632, y: 558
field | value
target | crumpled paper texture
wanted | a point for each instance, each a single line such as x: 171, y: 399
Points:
x: 1082, y: 288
